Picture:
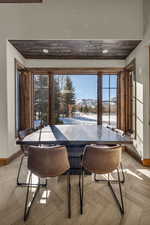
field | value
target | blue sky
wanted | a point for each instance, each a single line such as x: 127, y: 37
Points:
x: 86, y: 86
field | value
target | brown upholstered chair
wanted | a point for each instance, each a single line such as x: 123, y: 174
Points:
x: 100, y: 160
x: 120, y: 132
x: 47, y: 162
x: 22, y: 134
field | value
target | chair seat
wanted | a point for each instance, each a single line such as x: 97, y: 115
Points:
x: 105, y: 146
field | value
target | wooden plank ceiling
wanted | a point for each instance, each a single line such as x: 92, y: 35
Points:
x: 20, y: 1
x: 75, y: 49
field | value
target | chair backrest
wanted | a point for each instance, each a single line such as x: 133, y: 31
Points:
x: 23, y: 133
x: 48, y: 161
x: 99, y: 160
x: 110, y: 127
x: 121, y: 132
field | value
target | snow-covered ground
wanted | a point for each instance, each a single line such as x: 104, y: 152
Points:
x: 89, y: 118
x: 78, y: 120
x: 82, y: 118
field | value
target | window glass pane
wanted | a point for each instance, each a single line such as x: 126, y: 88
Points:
x: 36, y: 81
x: 113, y: 81
x: 133, y: 87
x: 113, y: 107
x: 36, y: 96
x: 40, y: 81
x: 41, y: 95
x: 44, y: 81
x: 105, y: 107
x: 18, y: 74
x: 105, y: 81
x: 105, y: 95
x: 113, y: 114
x: 105, y: 113
x: 41, y: 99
x: 44, y: 94
x: 133, y: 104
x: 113, y: 95
x: 105, y: 119
x: 75, y: 99
x: 113, y: 120
x: 109, y: 98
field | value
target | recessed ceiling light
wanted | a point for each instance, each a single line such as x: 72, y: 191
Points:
x: 105, y: 51
x: 45, y: 50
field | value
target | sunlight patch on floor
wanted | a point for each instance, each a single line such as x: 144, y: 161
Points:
x: 129, y: 172
x: 45, y: 196
x: 145, y: 172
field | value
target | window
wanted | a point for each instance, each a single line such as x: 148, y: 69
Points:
x: 17, y: 100
x: 131, y: 100
x: 40, y: 100
x: 75, y: 99
x: 109, y: 91
x: 134, y: 100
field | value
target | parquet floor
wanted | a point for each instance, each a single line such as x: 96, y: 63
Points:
x: 50, y: 207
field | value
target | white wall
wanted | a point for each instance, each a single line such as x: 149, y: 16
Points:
x: 146, y: 15
x: 69, y: 19
x: 3, y: 101
x: 75, y: 63
x: 141, y: 54
x: 12, y: 54
x: 54, y: 19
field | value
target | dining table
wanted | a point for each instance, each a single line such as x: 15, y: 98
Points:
x: 75, y: 138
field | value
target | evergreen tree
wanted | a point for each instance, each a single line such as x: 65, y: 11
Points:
x: 57, y: 98
x: 69, y: 96
x: 86, y: 109
x: 41, y: 98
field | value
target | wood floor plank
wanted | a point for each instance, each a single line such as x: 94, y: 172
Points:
x: 99, y: 206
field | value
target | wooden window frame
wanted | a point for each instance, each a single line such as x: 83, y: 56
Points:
x: 82, y: 71
x: 18, y: 67
x: 99, y: 97
x: 50, y: 77
x: 130, y: 68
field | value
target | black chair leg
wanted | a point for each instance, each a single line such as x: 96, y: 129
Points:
x: 119, y: 203
x: 18, y: 175
x: 28, y: 204
x: 23, y: 184
x: 123, y: 174
x: 69, y: 194
x: 81, y: 189
x: 113, y: 181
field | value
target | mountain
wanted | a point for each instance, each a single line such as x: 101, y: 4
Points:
x: 86, y: 102
x: 113, y: 99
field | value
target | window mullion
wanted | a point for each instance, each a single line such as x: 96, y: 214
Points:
x: 109, y: 99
